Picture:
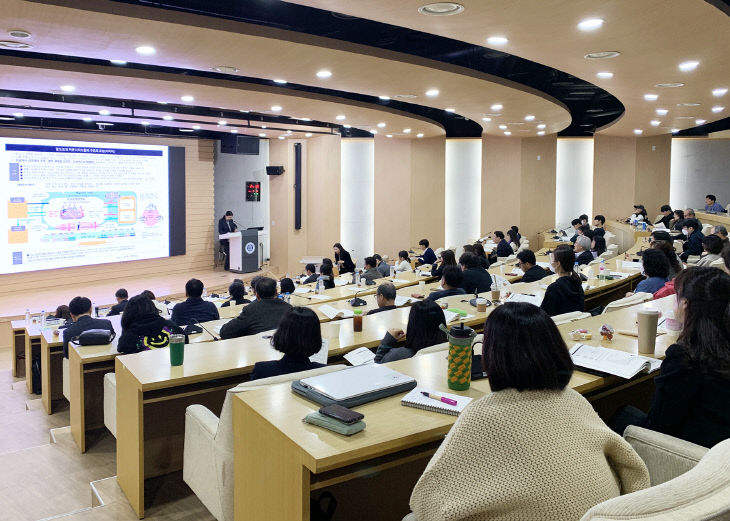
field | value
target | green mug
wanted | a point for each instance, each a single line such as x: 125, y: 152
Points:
x: 177, y: 349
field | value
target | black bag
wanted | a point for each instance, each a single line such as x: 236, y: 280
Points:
x: 319, y: 512
x: 35, y: 368
x: 94, y: 337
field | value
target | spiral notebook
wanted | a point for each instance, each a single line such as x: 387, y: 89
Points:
x: 417, y: 400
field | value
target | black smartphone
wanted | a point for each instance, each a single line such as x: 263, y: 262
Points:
x: 343, y: 414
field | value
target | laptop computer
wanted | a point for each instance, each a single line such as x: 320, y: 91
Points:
x: 356, y: 382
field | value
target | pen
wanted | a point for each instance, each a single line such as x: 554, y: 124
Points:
x: 439, y: 398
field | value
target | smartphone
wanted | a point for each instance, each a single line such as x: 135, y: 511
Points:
x: 343, y: 414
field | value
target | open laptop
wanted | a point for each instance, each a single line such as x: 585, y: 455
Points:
x: 356, y: 381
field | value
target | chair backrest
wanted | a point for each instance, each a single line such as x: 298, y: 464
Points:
x: 636, y: 298
x: 433, y: 349
x: 524, y: 240
x: 230, y: 311
x: 569, y: 317
x: 718, y: 263
x: 700, y: 494
x: 707, y: 229
x: 678, y: 247
x: 514, y: 246
x: 523, y: 246
x: 608, y: 254
x: 612, y: 247
x: 693, y: 259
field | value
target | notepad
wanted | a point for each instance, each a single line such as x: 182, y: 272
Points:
x: 319, y: 297
x: 424, y: 273
x: 612, y: 361
x: 628, y: 265
x: 544, y: 265
x: 360, y: 356
x: 332, y: 312
x: 301, y: 290
x: 417, y: 400
x: 342, y: 282
x: 452, y: 315
x: 402, y: 301
x: 400, y: 281
x: 521, y: 297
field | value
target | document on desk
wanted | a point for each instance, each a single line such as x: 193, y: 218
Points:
x: 360, y: 356
x: 342, y: 282
x: 522, y: 297
x: 400, y: 281
x: 629, y: 265
x: 452, y: 315
x: 317, y: 296
x: 301, y: 290
x: 332, y: 312
x: 618, y: 274
x: 400, y: 300
x: 320, y: 357
x: 612, y: 361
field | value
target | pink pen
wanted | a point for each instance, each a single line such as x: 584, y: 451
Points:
x: 439, y: 398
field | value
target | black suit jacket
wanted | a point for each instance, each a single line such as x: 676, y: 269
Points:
x: 286, y: 365
x: 194, y: 310
x: 312, y: 278
x: 584, y: 258
x: 476, y: 279
x: 84, y: 323
x: 260, y: 315
x: 225, y: 226
x: 533, y: 274
x: 117, y: 309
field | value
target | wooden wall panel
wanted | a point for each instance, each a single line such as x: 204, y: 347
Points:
x: 392, y: 195
x: 200, y: 221
x: 614, y: 173
x: 537, y: 185
x: 501, y: 186
x: 323, y: 194
x: 653, y: 165
x: 428, y: 166
x: 279, y: 208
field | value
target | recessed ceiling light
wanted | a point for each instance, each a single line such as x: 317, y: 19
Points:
x: 605, y: 75
x: 6, y: 118
x: 381, y: 125
x: 234, y: 131
x: 87, y: 119
x: 541, y: 133
x: 187, y: 98
x: 389, y: 135
x: 441, y: 9
x: 406, y: 96
x: 68, y: 88
x: 340, y: 117
x: 118, y: 62
x: 244, y: 111
x: 719, y: 92
x: 700, y: 121
x: 601, y: 55
x: 655, y: 122
x: 145, y: 50
x: 144, y: 123
x: 675, y: 130
x: 496, y: 107
x: 222, y: 122
x: 19, y: 33
x: 420, y: 134
x: 718, y: 108
x: 17, y: 114
x: 503, y: 127
x: 104, y: 112
x: 685, y: 117
x: 590, y: 24
x: 662, y: 112
x: 406, y: 130
x: 305, y: 119
x: 275, y: 108
x: 185, y: 129
x: 162, y: 102
x: 669, y: 85
x: 384, y: 98
x: 507, y: 133
x: 497, y: 40
x: 281, y: 137
x: 346, y: 126
x: 450, y: 110
x: 262, y: 134
x: 651, y: 97
x: 529, y: 117
x: 225, y: 69
x: 324, y: 74
x: 486, y: 119
x: 167, y: 118
x: 541, y: 126
x: 638, y: 131
x: 280, y: 82
x: 196, y: 127
x: 432, y: 93
x: 373, y: 131
x: 308, y: 134
x: 688, y: 104
x: 9, y: 44
x: 688, y: 65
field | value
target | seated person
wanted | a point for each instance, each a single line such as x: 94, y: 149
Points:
x: 677, y: 221
x: 566, y: 293
x: 599, y: 232
x: 343, y: 259
x: 63, y: 313
x: 583, y: 218
x: 655, y: 265
x: 385, y: 297
x: 404, y: 262
x: 327, y: 260
x: 298, y: 337
x: 326, y: 277
x: 599, y: 221
x: 371, y: 271
x: 639, y: 214
x: 161, y: 308
x: 446, y: 258
x: 263, y: 314
x: 726, y: 259
x: 711, y: 204
x: 475, y: 278
x: 585, y: 230
x: 517, y: 232
x: 287, y: 286
x: 575, y: 223
x: 692, y: 391
x: 311, y: 274
x: 428, y: 257
x: 80, y: 310
x: 668, y: 250
x: 513, y: 241
x: 527, y: 263
x: 143, y: 328
x: 422, y: 331
x: 513, y: 453
x: 598, y: 246
x: 503, y: 247
x: 194, y: 308
x: 712, y: 246
x: 237, y: 292
x: 582, y: 249
x: 478, y: 250
x: 121, y: 295
x: 721, y: 232
x: 660, y: 235
x: 689, y: 213
x: 451, y: 281
x: 693, y: 245
x: 666, y: 216
x: 383, y: 267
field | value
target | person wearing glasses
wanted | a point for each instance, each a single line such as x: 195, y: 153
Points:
x: 527, y: 263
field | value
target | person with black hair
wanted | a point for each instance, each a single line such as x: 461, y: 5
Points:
x: 404, y: 262
x: 63, y: 312
x: 693, y: 245
x: 447, y: 258
x: 655, y: 266
x: 237, y: 292
x: 326, y: 276
x: 677, y: 222
x: 585, y: 230
x: 532, y: 448
x: 80, y: 310
x: 383, y: 267
x: 598, y: 221
x: 194, y: 308
x: 712, y: 246
x: 311, y: 272
x: 385, y: 297
x: 161, y: 308
x: 566, y: 293
x: 675, y: 267
x: 660, y: 235
x: 598, y: 246
x: 528, y: 264
x: 503, y: 247
x: 122, y: 298
x: 343, y: 259
x: 513, y: 240
x: 478, y: 250
x: 371, y: 271
x: 692, y: 391
x: 711, y: 204
x: 475, y: 278
x: 422, y: 331
x: 143, y: 328
x: 226, y: 225
x: 286, y: 285
x: 263, y: 314
x: 666, y: 218
x: 451, y: 281
x: 298, y: 336
x: 583, y: 218
x: 599, y: 232
x: 576, y: 224
x: 517, y: 231
x: 428, y: 257
x: 327, y: 260
x: 638, y: 216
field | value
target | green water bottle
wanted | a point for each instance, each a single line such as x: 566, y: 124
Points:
x: 177, y: 349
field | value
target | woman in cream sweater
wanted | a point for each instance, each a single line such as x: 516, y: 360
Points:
x: 533, y: 449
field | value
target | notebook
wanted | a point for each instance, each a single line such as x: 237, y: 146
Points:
x: 332, y: 312
x: 401, y: 300
x: 452, y: 314
x: 612, y: 361
x: 360, y: 356
x: 301, y: 290
x: 417, y: 400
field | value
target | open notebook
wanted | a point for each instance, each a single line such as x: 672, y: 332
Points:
x: 332, y: 312
x: 612, y: 361
x: 417, y: 400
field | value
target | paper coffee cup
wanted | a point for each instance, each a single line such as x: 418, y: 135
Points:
x: 647, y: 320
x: 481, y: 305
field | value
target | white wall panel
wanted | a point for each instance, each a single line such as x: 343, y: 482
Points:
x: 357, y: 193
x: 699, y: 167
x: 463, y: 191
x: 573, y: 180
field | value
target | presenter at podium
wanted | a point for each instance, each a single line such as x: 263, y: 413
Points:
x: 226, y: 225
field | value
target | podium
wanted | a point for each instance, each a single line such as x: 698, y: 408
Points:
x: 243, y: 250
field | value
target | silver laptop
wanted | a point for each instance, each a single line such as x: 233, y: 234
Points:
x: 356, y: 381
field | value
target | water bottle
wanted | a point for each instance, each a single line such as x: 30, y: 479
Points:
x: 205, y: 292
x: 357, y: 278
x: 392, y: 271
x: 43, y: 318
x: 601, y: 269
x: 287, y: 297
x: 27, y: 316
x: 318, y: 287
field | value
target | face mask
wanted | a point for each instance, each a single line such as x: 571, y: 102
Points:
x: 684, y: 231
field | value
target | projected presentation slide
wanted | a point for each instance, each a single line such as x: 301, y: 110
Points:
x: 73, y: 203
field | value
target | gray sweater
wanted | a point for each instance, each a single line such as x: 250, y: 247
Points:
x: 388, y: 350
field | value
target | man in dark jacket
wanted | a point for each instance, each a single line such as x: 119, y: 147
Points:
x: 311, y: 272
x: 693, y: 244
x: 263, y: 314
x: 475, y: 278
x: 451, y: 281
x: 428, y: 257
x: 226, y: 225
x: 582, y: 250
x: 667, y: 216
x: 503, y: 247
x: 122, y: 298
x: 194, y: 309
x: 528, y: 264
x: 385, y: 297
x: 80, y: 308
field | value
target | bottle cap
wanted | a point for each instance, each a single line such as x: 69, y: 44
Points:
x: 358, y: 312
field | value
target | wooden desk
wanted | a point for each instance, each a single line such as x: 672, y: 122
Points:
x: 721, y: 219
x: 274, y: 450
x: 626, y: 234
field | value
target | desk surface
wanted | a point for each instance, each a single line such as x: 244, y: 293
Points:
x: 714, y: 218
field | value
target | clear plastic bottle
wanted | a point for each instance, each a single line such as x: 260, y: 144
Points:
x: 287, y: 297
x: 43, y: 318
x: 27, y: 316
x: 357, y: 278
x: 205, y: 291
x: 602, y: 269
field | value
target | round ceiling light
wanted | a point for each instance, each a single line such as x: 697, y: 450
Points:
x: 441, y: 9
x: 497, y: 40
x: 324, y: 74
x: 145, y: 50
x: 719, y: 92
x: 672, y: 85
x: 638, y: 131
x: 541, y: 133
x: 688, y: 65
x: 262, y: 134
x: 605, y: 75
x: 275, y: 108
x: 68, y: 88
x: 590, y: 24
x: 601, y: 55
x: 187, y: 98
x: 104, y: 112
x: 9, y: 44
x: 432, y: 93
x: 167, y: 118
x: 419, y: 135
x: 308, y: 134
x: 19, y: 33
